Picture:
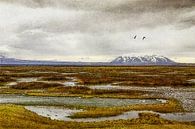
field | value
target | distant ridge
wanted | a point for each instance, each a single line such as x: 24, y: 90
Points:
x: 143, y: 60
x: 119, y: 61
x: 6, y: 61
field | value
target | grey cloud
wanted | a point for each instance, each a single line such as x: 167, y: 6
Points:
x: 186, y: 22
x: 32, y: 42
x: 106, y: 5
x: 96, y: 22
x: 94, y: 27
x: 103, y: 16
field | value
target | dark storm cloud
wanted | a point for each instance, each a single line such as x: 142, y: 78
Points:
x: 128, y: 13
x: 107, y: 5
x: 186, y: 22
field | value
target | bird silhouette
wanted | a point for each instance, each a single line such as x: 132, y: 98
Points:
x: 135, y: 37
x: 143, y: 38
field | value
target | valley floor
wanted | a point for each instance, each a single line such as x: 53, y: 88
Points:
x: 97, y: 92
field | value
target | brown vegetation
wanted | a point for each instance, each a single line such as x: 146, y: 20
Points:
x: 34, y: 85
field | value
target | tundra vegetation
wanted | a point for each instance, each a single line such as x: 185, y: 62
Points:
x: 52, y: 82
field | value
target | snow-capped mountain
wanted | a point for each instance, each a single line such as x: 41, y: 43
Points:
x: 142, y: 60
x: 121, y: 60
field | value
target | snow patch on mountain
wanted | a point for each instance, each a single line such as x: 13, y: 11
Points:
x: 143, y: 60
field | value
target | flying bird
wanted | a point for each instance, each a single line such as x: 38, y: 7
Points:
x: 143, y: 38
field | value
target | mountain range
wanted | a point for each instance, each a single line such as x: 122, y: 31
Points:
x: 143, y: 60
x: 121, y: 60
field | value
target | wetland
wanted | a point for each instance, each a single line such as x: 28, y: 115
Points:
x: 96, y: 96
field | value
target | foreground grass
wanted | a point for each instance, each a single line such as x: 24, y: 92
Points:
x: 16, y: 117
x: 170, y: 106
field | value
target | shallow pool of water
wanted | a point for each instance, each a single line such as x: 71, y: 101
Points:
x: 191, y: 80
x: 33, y: 79
x: 133, y: 72
x: 59, y: 113
x: 99, y: 102
x: 147, y: 75
x: 69, y: 73
x: 69, y: 83
x: 72, y: 82
x: 27, y: 79
x: 55, y: 113
x: 12, y: 84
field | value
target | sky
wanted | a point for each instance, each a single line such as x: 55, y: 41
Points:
x: 97, y: 30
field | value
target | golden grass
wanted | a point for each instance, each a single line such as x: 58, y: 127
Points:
x: 129, y: 76
x: 35, y: 85
x: 85, y: 92
x: 170, y: 106
x: 6, y: 79
x: 96, y: 75
x: 177, y: 126
x: 16, y: 117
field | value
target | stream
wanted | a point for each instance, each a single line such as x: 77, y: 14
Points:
x: 76, y: 101
x: 57, y: 113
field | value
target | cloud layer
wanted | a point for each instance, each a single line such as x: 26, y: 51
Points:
x: 97, y: 30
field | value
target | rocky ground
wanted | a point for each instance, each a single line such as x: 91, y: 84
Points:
x: 185, y: 95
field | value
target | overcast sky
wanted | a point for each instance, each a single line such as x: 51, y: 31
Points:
x: 97, y: 30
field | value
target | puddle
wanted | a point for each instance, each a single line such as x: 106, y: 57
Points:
x: 23, y: 80
x: 69, y: 83
x: 116, y: 87
x: 109, y: 87
x: 27, y: 79
x: 149, y: 75
x: 42, y: 72
x: 117, y: 83
x: 77, y: 101
x: 73, y: 82
x: 12, y: 84
x: 174, y: 72
x: 83, y: 72
x: 69, y: 73
x: 182, y: 117
x: 57, y: 113
x: 133, y: 72
x: 191, y: 80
